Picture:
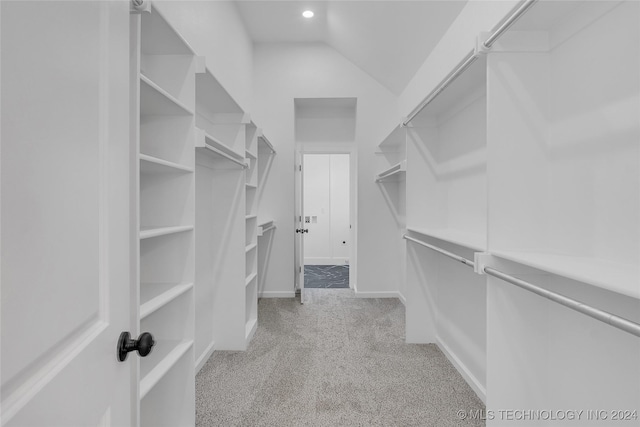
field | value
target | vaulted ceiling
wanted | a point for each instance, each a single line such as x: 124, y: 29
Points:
x: 387, y: 39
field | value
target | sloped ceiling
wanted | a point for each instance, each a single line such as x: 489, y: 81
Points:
x: 388, y: 39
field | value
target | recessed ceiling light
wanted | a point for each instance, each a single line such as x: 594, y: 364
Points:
x: 307, y: 14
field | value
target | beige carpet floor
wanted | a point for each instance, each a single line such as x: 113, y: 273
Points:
x: 334, y: 361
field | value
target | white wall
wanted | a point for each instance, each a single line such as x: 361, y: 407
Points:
x: 215, y: 30
x: 283, y: 72
x: 326, y: 202
x: 324, y: 121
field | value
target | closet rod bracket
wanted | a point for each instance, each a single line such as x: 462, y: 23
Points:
x: 481, y: 47
x: 482, y: 260
x: 139, y: 6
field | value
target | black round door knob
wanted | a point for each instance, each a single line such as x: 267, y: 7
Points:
x: 142, y: 345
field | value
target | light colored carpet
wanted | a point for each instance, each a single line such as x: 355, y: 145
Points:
x: 334, y: 361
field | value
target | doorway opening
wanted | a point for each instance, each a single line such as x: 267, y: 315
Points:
x: 326, y: 207
x: 325, y: 194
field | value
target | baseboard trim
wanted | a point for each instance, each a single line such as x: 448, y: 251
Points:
x: 326, y: 261
x: 473, y: 382
x: 277, y: 294
x: 204, y: 357
x: 402, y: 298
x: 377, y: 294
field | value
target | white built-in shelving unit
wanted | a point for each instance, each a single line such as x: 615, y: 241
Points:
x: 392, y: 162
x: 222, y: 219
x: 564, y: 204
x: 529, y: 161
x: 447, y: 162
x: 391, y: 159
x: 266, y: 224
x: 163, y: 75
x: 251, y: 231
x: 393, y: 156
x: 196, y: 204
x: 446, y: 207
x: 396, y: 171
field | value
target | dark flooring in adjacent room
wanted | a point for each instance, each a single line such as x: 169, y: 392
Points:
x: 337, y: 360
x: 326, y: 276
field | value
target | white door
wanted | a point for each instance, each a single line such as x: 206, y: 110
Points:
x: 65, y: 245
x: 299, y: 222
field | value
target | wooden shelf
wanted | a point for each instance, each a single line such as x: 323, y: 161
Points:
x: 617, y: 277
x: 150, y: 164
x: 169, y: 356
x: 250, y: 155
x: 212, y: 97
x: 154, y: 296
x: 395, y: 172
x: 155, y: 101
x: 252, y: 186
x: 149, y: 232
x: 159, y: 38
x: 395, y: 140
x: 465, y: 89
x: 248, y: 217
x: 251, y: 247
x: 251, y: 278
x: 166, y: 78
x: 217, y: 147
x: 476, y: 242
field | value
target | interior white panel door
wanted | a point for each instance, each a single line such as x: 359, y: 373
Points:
x: 64, y: 177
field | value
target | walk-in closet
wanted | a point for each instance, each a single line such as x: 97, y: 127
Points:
x: 169, y: 174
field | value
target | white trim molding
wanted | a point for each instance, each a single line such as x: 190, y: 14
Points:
x: 378, y: 294
x: 277, y: 294
x: 471, y: 379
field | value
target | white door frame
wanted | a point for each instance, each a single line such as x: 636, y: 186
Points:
x: 351, y: 150
x: 298, y: 224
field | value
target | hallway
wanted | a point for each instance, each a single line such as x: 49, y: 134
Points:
x: 337, y: 360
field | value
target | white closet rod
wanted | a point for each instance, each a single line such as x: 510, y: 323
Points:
x: 606, y: 317
x: 266, y: 141
x: 463, y: 65
x: 382, y: 176
x: 603, y: 316
x: 463, y: 260
x: 471, y: 57
x: 226, y: 156
x: 504, y: 26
